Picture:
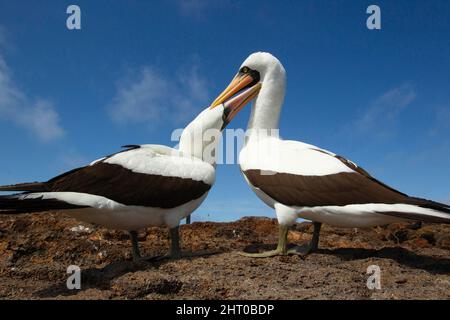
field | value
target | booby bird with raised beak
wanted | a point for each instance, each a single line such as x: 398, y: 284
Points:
x: 301, y: 180
x: 144, y: 185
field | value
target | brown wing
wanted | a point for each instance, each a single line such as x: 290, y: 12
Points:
x: 339, y: 189
x: 360, y: 170
x: 130, y: 188
x: 336, y: 189
x: 121, y: 185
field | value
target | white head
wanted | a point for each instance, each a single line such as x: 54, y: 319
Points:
x: 263, y: 69
x: 266, y: 64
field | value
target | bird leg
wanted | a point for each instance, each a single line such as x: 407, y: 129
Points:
x: 282, y: 249
x: 175, y: 251
x: 312, y: 246
x: 135, y: 246
x: 188, y: 219
x: 137, y: 258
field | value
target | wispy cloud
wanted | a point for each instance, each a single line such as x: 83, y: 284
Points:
x: 37, y: 116
x: 442, y: 120
x: 381, y: 115
x: 154, y: 97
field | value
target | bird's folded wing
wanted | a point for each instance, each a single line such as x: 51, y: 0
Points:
x: 338, y: 189
x: 142, y: 176
x: 309, y: 176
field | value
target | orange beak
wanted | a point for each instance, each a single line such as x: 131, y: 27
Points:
x: 239, y: 83
x: 235, y: 104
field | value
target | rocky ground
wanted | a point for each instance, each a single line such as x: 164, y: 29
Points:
x: 35, y: 251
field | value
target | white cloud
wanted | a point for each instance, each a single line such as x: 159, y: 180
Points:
x: 380, y: 117
x: 37, y: 116
x: 442, y: 120
x: 43, y: 120
x: 155, y: 98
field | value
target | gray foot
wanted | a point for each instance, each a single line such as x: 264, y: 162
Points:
x: 282, y: 249
x: 266, y: 254
x: 297, y: 250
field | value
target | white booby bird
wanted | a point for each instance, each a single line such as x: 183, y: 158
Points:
x: 302, y: 180
x: 144, y: 185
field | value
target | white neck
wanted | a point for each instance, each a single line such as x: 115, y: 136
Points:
x: 201, y: 137
x: 267, y: 106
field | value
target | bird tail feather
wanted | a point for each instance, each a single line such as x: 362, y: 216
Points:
x: 424, y: 210
x: 29, y: 186
x: 15, y: 204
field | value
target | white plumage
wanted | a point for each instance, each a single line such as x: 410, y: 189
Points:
x: 165, y: 161
x: 274, y: 154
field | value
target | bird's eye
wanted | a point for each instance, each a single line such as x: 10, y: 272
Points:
x: 244, y: 70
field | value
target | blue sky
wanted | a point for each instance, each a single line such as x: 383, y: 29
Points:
x: 139, y: 69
